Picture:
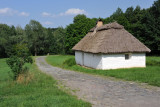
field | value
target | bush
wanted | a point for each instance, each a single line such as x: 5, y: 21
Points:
x: 17, y: 60
x: 153, y: 63
x: 69, y: 62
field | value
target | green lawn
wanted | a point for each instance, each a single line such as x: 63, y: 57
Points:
x: 150, y: 74
x: 36, y: 90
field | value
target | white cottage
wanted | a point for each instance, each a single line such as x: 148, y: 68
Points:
x: 110, y: 46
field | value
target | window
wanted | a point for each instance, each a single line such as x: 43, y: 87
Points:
x: 127, y: 56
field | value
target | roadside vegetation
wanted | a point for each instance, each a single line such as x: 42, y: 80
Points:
x: 33, y: 89
x: 150, y: 74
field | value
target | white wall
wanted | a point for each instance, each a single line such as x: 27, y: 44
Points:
x: 78, y: 57
x: 89, y: 60
x: 110, y: 61
x: 114, y: 61
x: 93, y: 60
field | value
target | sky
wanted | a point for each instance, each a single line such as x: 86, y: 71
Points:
x: 60, y: 13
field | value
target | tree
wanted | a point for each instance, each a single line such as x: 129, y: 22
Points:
x: 17, y: 37
x: 59, y: 41
x: 5, y: 33
x: 36, y: 36
x: 129, y: 14
x: 50, y: 33
x: 155, y: 13
x: 76, y: 31
x: 117, y: 13
x: 19, y: 57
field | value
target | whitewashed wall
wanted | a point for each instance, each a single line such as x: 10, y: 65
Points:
x: 110, y: 61
x: 78, y: 57
x: 115, y: 61
x: 89, y: 59
x: 93, y: 60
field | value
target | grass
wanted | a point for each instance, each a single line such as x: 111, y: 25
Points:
x: 33, y: 89
x: 150, y: 74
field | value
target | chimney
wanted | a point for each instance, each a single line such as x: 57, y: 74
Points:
x: 99, y: 23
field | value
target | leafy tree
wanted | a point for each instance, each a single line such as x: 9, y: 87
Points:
x: 17, y: 36
x: 59, y: 38
x: 108, y: 20
x: 36, y: 36
x: 76, y: 31
x: 116, y: 14
x: 19, y: 57
x: 50, y: 33
x: 119, y: 16
x: 5, y: 33
x: 144, y: 24
x: 129, y: 14
x: 56, y: 40
x: 155, y: 13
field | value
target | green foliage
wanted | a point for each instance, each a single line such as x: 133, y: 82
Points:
x: 144, y: 24
x: 153, y: 61
x: 150, y: 74
x: 36, y: 36
x: 19, y: 57
x: 76, y: 31
x: 39, y: 90
x: 10, y: 36
x: 5, y: 33
x: 70, y: 62
x: 57, y: 41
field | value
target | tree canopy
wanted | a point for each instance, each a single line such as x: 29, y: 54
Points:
x: 144, y: 24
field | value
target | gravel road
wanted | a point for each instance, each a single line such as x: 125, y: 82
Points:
x: 103, y: 91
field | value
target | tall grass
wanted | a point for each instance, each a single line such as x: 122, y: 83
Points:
x: 34, y: 89
x: 150, y: 74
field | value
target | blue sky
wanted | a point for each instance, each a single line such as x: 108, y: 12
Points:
x: 55, y: 13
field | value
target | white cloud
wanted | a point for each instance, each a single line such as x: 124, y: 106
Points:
x: 11, y: 12
x: 47, y: 23
x: 74, y: 11
x: 45, y: 14
x: 7, y: 12
x: 24, y: 14
x: 71, y: 11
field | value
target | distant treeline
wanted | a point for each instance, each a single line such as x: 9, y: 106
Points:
x: 144, y: 24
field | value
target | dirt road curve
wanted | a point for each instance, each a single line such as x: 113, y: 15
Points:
x: 104, y: 92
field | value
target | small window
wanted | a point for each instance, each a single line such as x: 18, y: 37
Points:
x: 127, y: 56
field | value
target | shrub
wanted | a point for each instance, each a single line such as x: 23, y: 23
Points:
x: 69, y: 62
x: 19, y: 57
x: 153, y: 63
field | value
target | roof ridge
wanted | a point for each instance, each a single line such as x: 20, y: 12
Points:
x: 113, y: 25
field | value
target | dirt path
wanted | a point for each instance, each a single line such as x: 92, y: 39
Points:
x: 104, y: 92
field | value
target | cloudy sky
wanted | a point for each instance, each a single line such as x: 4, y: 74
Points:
x: 55, y: 13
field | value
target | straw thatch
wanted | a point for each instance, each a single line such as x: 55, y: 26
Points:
x: 110, y: 38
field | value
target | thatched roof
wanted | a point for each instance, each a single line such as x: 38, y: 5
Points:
x: 110, y: 38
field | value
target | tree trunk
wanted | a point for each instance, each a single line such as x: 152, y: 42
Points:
x: 35, y: 51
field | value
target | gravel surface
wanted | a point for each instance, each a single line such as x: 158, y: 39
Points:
x: 104, y: 91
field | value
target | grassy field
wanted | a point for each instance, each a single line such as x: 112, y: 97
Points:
x: 150, y: 74
x: 33, y: 89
